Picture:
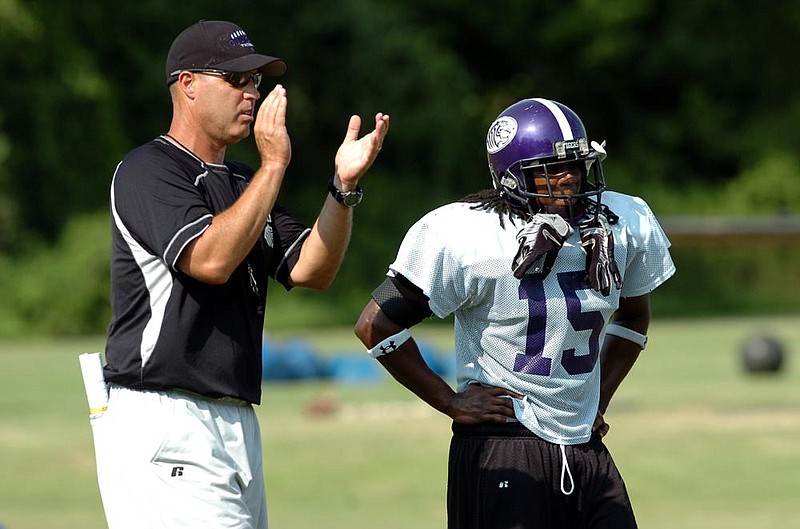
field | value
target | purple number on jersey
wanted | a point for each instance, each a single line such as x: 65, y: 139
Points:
x: 533, y: 360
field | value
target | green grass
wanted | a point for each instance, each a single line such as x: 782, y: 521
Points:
x: 700, y: 443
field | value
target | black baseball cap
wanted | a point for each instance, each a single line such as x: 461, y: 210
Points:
x: 220, y: 45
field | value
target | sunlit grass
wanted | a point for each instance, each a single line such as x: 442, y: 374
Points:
x: 700, y: 443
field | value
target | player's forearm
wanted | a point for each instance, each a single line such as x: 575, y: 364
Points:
x: 619, y: 354
x: 405, y: 364
x: 617, y: 359
x: 408, y: 367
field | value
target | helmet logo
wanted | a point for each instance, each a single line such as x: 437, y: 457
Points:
x: 500, y: 133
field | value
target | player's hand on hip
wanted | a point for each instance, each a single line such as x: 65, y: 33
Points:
x: 356, y: 155
x: 272, y: 138
x: 479, y: 404
x: 600, y: 425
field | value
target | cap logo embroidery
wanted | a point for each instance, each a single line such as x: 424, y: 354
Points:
x: 240, y: 38
x: 500, y: 133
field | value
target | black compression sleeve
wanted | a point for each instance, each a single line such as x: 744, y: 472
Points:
x: 402, y: 301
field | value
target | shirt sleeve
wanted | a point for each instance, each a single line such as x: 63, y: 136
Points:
x: 155, y: 203
x: 425, y: 260
x: 649, y: 261
x: 286, y: 235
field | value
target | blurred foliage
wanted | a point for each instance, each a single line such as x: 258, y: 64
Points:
x: 731, y: 279
x: 59, y: 289
x: 698, y: 103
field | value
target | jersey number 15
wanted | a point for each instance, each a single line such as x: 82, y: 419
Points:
x: 533, y: 360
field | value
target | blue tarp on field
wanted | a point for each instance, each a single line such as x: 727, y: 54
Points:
x: 298, y: 359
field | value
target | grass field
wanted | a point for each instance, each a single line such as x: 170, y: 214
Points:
x: 700, y: 443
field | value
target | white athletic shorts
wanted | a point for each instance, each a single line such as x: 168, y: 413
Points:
x: 171, y: 460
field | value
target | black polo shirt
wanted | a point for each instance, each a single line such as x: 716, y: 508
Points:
x: 168, y: 330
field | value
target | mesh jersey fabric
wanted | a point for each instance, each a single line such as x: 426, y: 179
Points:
x: 539, y: 336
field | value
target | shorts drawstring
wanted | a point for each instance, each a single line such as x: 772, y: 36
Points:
x: 565, y: 471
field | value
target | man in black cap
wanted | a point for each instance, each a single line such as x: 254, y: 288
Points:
x: 195, y: 239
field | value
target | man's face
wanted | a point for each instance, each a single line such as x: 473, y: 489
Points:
x: 561, y: 180
x: 228, y: 111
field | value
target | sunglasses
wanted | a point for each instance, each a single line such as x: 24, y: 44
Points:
x: 235, y: 79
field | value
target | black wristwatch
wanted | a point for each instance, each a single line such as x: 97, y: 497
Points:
x: 349, y: 199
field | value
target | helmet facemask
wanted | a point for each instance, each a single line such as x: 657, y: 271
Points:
x: 570, y: 186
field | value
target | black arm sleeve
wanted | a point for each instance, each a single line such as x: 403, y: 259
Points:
x: 402, y: 301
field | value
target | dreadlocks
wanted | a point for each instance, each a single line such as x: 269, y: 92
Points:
x: 492, y: 200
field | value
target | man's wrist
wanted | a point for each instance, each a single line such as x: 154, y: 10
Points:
x: 337, y: 181
x: 347, y: 198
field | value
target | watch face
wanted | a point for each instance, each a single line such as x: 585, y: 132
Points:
x: 351, y: 199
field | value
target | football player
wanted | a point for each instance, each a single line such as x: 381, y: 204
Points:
x: 548, y: 276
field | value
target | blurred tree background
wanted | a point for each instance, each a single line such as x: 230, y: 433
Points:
x: 698, y: 103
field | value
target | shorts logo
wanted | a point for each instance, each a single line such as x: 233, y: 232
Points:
x: 500, y: 134
x: 177, y: 471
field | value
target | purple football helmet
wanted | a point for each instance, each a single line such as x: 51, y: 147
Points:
x: 538, y: 134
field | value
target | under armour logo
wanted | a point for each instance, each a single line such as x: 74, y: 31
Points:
x: 503, y: 485
x: 177, y: 471
x: 385, y: 349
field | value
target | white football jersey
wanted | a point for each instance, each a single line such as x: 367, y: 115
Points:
x: 537, y: 336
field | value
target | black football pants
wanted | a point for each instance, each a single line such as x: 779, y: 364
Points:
x: 505, y: 477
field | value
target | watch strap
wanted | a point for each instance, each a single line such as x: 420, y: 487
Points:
x: 348, y: 199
